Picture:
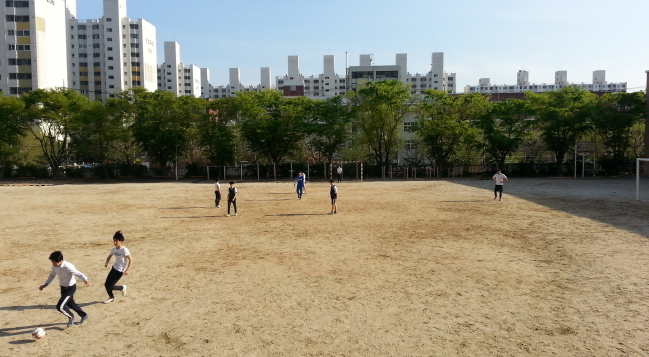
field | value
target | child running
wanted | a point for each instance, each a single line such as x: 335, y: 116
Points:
x: 217, y: 192
x: 333, y: 192
x: 120, y: 268
x: 66, y: 272
x: 232, y: 198
x: 300, y: 184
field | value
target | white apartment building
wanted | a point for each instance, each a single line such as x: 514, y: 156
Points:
x: 111, y: 54
x: 32, y: 44
x: 230, y: 90
x: 522, y: 85
x: 326, y: 85
x: 329, y: 84
x: 175, y: 77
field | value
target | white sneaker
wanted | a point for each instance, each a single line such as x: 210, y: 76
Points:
x: 228, y: 216
x: 109, y: 301
x: 124, y: 290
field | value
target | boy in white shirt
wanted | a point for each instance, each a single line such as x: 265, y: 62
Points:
x: 66, y: 272
x: 120, y: 267
x: 500, y: 180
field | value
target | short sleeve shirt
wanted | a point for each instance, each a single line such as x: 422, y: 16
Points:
x: 340, y: 170
x: 120, y: 258
x: 499, y: 179
x: 217, y: 187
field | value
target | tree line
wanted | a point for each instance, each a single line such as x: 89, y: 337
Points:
x: 54, y: 127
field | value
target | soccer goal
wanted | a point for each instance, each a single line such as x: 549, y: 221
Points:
x: 333, y: 166
x: 642, y: 179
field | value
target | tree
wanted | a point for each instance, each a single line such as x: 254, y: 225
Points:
x: 216, y: 133
x: 446, y: 124
x: 378, y: 111
x: 51, y: 113
x: 328, y: 129
x: 273, y: 126
x: 505, y: 127
x: 161, y: 123
x: 94, y: 132
x: 12, y: 128
x: 613, y: 117
x: 562, y: 117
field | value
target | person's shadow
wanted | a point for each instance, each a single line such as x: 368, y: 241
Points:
x: 27, y: 330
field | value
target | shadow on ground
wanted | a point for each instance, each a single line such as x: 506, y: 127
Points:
x: 607, y: 200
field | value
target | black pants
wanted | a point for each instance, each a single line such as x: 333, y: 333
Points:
x: 112, y: 279
x: 499, y: 188
x: 234, y: 203
x: 340, y: 178
x: 217, y: 201
x: 66, y: 302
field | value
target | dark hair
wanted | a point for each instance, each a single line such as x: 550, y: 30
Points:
x: 217, y: 179
x: 231, y: 182
x: 56, y: 256
x: 331, y: 181
x: 118, y: 236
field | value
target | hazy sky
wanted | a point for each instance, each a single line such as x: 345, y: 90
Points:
x: 492, y: 39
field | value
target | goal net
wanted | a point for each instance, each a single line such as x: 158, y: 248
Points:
x: 642, y: 180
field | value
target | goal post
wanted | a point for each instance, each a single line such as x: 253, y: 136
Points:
x: 341, y: 162
x: 641, y: 172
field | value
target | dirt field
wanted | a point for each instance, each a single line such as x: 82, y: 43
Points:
x: 559, y: 268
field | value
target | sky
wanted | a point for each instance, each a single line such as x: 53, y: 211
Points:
x: 480, y: 39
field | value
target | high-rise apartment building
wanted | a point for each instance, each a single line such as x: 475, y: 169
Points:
x: 32, y: 44
x: 523, y: 84
x: 111, y: 54
x: 325, y: 85
x: 175, y: 77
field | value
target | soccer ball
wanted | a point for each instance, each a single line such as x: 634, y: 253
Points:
x: 38, y: 333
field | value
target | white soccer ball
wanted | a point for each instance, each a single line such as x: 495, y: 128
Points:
x: 38, y: 333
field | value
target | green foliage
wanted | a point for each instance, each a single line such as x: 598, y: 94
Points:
x: 51, y: 114
x: 613, y: 117
x: 216, y: 137
x: 273, y: 126
x: 505, y: 127
x: 328, y: 128
x: 446, y: 125
x: 562, y: 117
x: 378, y: 111
x: 12, y: 128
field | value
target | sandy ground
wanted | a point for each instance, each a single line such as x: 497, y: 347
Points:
x: 420, y: 268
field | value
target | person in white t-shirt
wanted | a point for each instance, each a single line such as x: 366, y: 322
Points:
x: 120, y: 267
x: 500, y: 181
x: 339, y: 170
x: 217, y: 193
x: 66, y: 273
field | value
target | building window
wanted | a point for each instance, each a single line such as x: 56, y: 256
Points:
x: 95, y: 27
x: 16, y: 90
x: 109, y: 30
x: 110, y: 68
x: 134, y: 35
x: 110, y: 58
x: 17, y: 3
x: 135, y: 64
x: 111, y: 86
x: 407, y: 127
x: 111, y: 77
x: 109, y: 19
x: 95, y: 36
x: 96, y: 55
x: 23, y: 47
x: 109, y: 39
x: 20, y: 76
x: 82, y: 37
x: 11, y: 47
x: 96, y: 45
x: 110, y: 48
x: 17, y: 18
x: 135, y: 45
x: 135, y: 26
x: 20, y: 62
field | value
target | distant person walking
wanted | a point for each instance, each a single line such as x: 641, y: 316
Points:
x: 500, y: 181
x: 300, y: 184
x: 340, y: 174
x: 217, y: 193
x: 66, y: 273
x: 232, y: 198
x: 333, y: 192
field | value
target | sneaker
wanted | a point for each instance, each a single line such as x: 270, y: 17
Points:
x: 228, y: 216
x: 70, y: 322
x: 124, y: 290
x: 109, y: 300
x: 335, y: 212
x: 495, y: 198
x: 330, y: 213
x: 500, y: 199
x: 235, y: 213
x: 218, y: 206
x: 83, y: 319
